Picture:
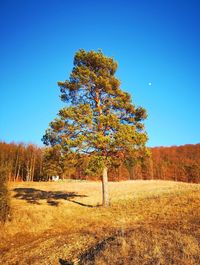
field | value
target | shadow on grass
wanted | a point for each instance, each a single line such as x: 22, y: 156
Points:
x: 52, y: 197
x: 63, y: 262
x: 88, y: 257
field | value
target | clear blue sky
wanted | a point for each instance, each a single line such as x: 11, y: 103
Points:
x: 155, y: 42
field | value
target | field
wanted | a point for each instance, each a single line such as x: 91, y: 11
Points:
x: 148, y: 222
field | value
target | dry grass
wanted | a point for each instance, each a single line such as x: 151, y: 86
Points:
x: 148, y: 222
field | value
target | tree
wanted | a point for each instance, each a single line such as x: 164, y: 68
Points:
x: 99, y: 119
x: 52, y: 164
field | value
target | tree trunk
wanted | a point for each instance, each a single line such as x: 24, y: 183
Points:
x: 18, y: 172
x: 105, y: 187
x: 16, y: 166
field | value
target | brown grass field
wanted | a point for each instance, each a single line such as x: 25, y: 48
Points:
x: 148, y: 222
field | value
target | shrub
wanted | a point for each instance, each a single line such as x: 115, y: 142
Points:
x: 4, y: 197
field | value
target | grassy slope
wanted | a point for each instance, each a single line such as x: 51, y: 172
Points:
x: 149, y: 222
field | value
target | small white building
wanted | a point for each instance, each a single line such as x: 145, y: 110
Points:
x: 55, y: 178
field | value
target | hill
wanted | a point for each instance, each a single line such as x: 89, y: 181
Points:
x: 149, y: 222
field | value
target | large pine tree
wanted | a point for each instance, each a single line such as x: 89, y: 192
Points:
x: 99, y: 119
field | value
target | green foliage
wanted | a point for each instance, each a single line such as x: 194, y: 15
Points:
x: 95, y: 165
x: 99, y: 119
x: 52, y: 162
x: 4, y: 197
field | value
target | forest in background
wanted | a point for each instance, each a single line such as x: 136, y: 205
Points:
x: 23, y: 162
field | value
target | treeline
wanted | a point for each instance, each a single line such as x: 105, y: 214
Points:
x: 180, y: 163
x: 21, y: 162
x: 30, y: 163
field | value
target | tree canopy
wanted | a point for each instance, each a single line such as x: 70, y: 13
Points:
x: 99, y: 118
